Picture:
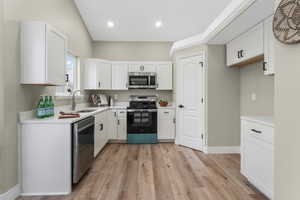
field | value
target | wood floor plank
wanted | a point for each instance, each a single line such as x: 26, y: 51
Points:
x: 129, y: 189
x: 161, y: 172
x: 162, y: 184
x: 145, y: 179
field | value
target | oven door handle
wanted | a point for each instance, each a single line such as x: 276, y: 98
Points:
x: 142, y: 110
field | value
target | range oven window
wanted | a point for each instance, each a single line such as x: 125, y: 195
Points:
x: 142, y: 122
x: 139, y: 80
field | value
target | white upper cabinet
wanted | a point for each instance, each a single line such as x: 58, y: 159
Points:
x: 268, y: 47
x: 164, y: 76
x: 97, y: 74
x: 120, y: 76
x: 43, y: 54
x: 247, y: 48
x: 142, y: 67
x: 106, y: 75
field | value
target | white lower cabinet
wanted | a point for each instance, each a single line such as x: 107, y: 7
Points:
x: 118, y: 125
x: 122, y: 125
x: 112, y: 123
x: 166, y: 124
x: 101, y: 132
x: 257, y: 155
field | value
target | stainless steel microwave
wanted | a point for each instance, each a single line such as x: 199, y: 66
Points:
x: 142, y: 80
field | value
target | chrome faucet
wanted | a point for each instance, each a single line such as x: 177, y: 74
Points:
x: 73, y: 99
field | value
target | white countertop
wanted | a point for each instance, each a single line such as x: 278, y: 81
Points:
x: 266, y: 120
x: 28, y: 117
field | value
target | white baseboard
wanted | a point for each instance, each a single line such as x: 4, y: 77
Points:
x: 223, y: 150
x: 11, y: 194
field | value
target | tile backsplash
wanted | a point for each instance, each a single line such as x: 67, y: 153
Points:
x: 123, y: 96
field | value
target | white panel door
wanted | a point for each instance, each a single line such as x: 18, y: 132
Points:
x: 120, y: 76
x: 56, y: 57
x: 190, y: 110
x: 104, y: 75
x: 164, y: 76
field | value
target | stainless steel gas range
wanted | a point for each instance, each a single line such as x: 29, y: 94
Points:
x: 142, y: 120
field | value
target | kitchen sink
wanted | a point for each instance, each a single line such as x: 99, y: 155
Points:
x: 86, y: 111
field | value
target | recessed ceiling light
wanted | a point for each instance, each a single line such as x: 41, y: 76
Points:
x: 158, y: 24
x: 110, y: 24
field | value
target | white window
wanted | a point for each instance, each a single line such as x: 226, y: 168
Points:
x: 72, y: 76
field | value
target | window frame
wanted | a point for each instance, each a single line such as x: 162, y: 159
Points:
x: 77, y: 80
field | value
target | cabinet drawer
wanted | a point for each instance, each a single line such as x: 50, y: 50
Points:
x: 166, y: 113
x: 122, y: 113
x: 258, y: 131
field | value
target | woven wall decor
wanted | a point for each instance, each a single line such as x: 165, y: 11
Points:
x: 286, y: 24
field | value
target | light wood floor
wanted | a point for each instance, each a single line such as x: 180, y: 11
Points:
x: 161, y: 172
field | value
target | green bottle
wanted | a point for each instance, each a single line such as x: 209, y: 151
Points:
x: 40, y: 111
x: 51, y: 106
x: 47, y: 107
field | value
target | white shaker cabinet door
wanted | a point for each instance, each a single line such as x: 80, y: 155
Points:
x: 91, y: 80
x: 104, y: 75
x: 122, y: 124
x: 164, y: 76
x: 56, y: 59
x: 120, y: 76
x: 113, y: 120
x: 166, y: 124
x: 268, y: 47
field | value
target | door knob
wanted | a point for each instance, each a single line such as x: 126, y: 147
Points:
x: 181, y: 106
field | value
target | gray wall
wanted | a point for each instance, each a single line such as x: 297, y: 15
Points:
x: 287, y: 129
x: 254, y: 81
x: 223, y: 99
x: 61, y: 14
x: 134, y: 51
x: 2, y: 183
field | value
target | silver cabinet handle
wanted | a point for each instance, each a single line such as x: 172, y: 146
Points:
x: 142, y: 68
x: 166, y: 112
x: 118, y: 122
x: 99, y: 84
x: 174, y: 120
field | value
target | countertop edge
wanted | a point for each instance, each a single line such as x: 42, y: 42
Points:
x: 265, y: 120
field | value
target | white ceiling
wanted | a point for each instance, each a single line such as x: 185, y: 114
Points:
x: 135, y: 19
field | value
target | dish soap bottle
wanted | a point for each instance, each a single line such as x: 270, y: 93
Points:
x: 40, y: 111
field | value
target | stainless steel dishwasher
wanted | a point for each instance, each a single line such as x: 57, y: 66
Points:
x: 83, y: 147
